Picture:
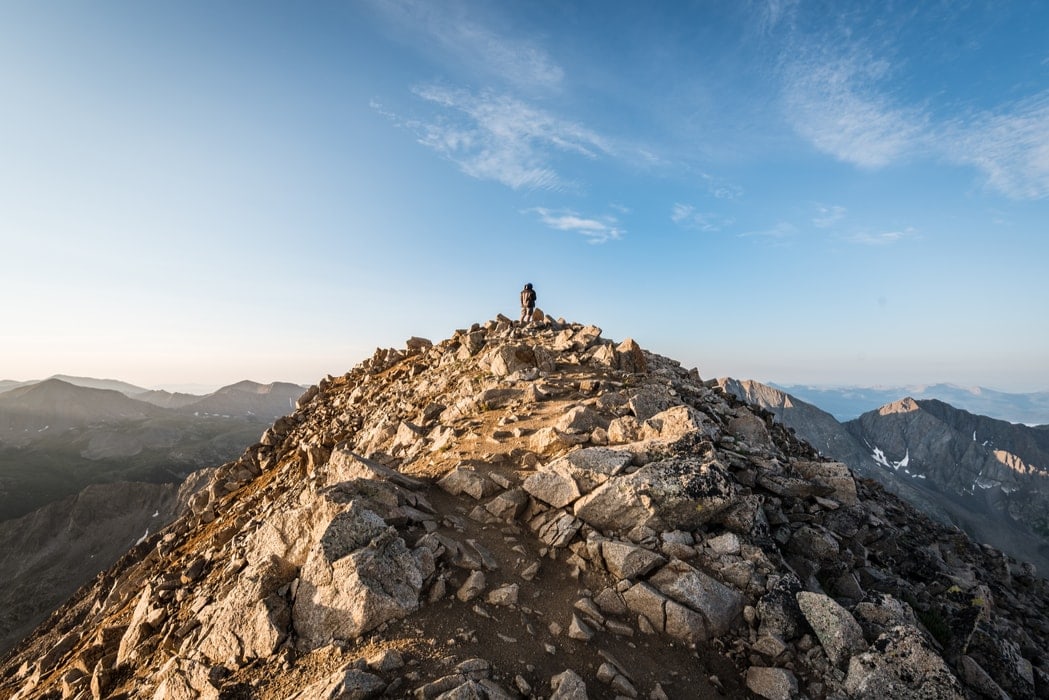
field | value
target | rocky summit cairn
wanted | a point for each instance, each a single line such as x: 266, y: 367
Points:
x: 541, y: 513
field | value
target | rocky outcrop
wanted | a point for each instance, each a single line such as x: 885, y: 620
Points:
x: 540, y: 512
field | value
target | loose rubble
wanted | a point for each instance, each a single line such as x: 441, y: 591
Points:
x: 541, y: 512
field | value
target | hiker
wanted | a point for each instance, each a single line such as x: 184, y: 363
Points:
x: 527, y: 303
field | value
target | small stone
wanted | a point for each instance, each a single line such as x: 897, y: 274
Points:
x: 579, y: 629
x: 475, y: 583
x: 772, y: 683
x: 504, y: 595
x: 530, y: 571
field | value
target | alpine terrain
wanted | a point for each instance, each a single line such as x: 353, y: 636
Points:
x: 986, y: 476
x: 541, y: 512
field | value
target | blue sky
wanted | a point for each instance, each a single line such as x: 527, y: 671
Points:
x: 798, y: 192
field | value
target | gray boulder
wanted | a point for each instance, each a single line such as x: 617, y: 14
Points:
x: 720, y: 605
x: 674, y: 494
x: 568, y: 685
x: 901, y: 664
x: 838, y: 632
x: 627, y: 560
x: 772, y: 683
x: 251, y: 620
x: 554, y: 485
x: 348, y: 684
x: 360, y: 575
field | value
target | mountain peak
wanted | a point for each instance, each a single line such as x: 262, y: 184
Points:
x: 534, y: 511
x: 905, y: 405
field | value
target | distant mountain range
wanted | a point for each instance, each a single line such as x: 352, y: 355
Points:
x: 61, y: 434
x: 89, y: 466
x: 846, y: 403
x: 988, y: 477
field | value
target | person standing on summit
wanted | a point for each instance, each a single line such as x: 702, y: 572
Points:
x: 527, y: 303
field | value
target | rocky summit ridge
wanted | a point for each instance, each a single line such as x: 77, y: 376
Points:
x: 541, y: 513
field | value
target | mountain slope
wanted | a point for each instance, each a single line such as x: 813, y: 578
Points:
x: 821, y: 430
x: 47, y: 555
x: 56, y: 438
x: 541, y: 513
x: 54, y: 405
x: 944, y: 493
x: 249, y: 398
x: 997, y: 472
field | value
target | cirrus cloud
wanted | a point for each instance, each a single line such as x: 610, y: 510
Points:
x: 498, y: 137
x: 595, y: 230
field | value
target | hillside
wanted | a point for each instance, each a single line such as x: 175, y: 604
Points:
x: 995, y: 473
x: 984, y: 515
x: 823, y: 431
x: 248, y: 398
x: 47, y: 555
x: 57, y: 438
x: 55, y: 406
x: 541, y: 512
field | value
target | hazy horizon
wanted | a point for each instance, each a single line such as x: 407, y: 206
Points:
x: 791, y: 192
x: 206, y: 387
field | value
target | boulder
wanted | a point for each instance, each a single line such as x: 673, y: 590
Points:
x: 778, y: 610
x: 581, y: 419
x: 836, y: 475
x: 751, y: 430
x: 555, y: 527
x: 838, y: 631
x: 347, y: 684
x: 631, y: 357
x: 679, y: 493
x: 462, y: 480
x: 678, y: 421
x: 508, y: 359
x: 252, y: 620
x: 550, y: 440
x: 772, y: 683
x: 627, y: 560
x: 553, y: 485
x: 814, y: 543
x: 184, y: 679
x: 568, y: 685
x: 508, y: 505
x: 649, y: 401
x: 360, y: 575
x: 624, y: 429
x: 720, y: 605
x: 901, y: 663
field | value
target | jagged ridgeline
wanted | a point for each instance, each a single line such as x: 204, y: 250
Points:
x: 541, y: 512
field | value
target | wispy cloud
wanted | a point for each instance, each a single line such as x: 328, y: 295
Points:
x: 827, y: 215
x: 839, y: 95
x: 881, y: 239
x: 498, y: 137
x: 836, y: 103
x: 771, y: 13
x: 781, y: 231
x: 720, y: 188
x: 688, y: 216
x: 457, y: 31
x: 1009, y: 145
x: 595, y: 230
